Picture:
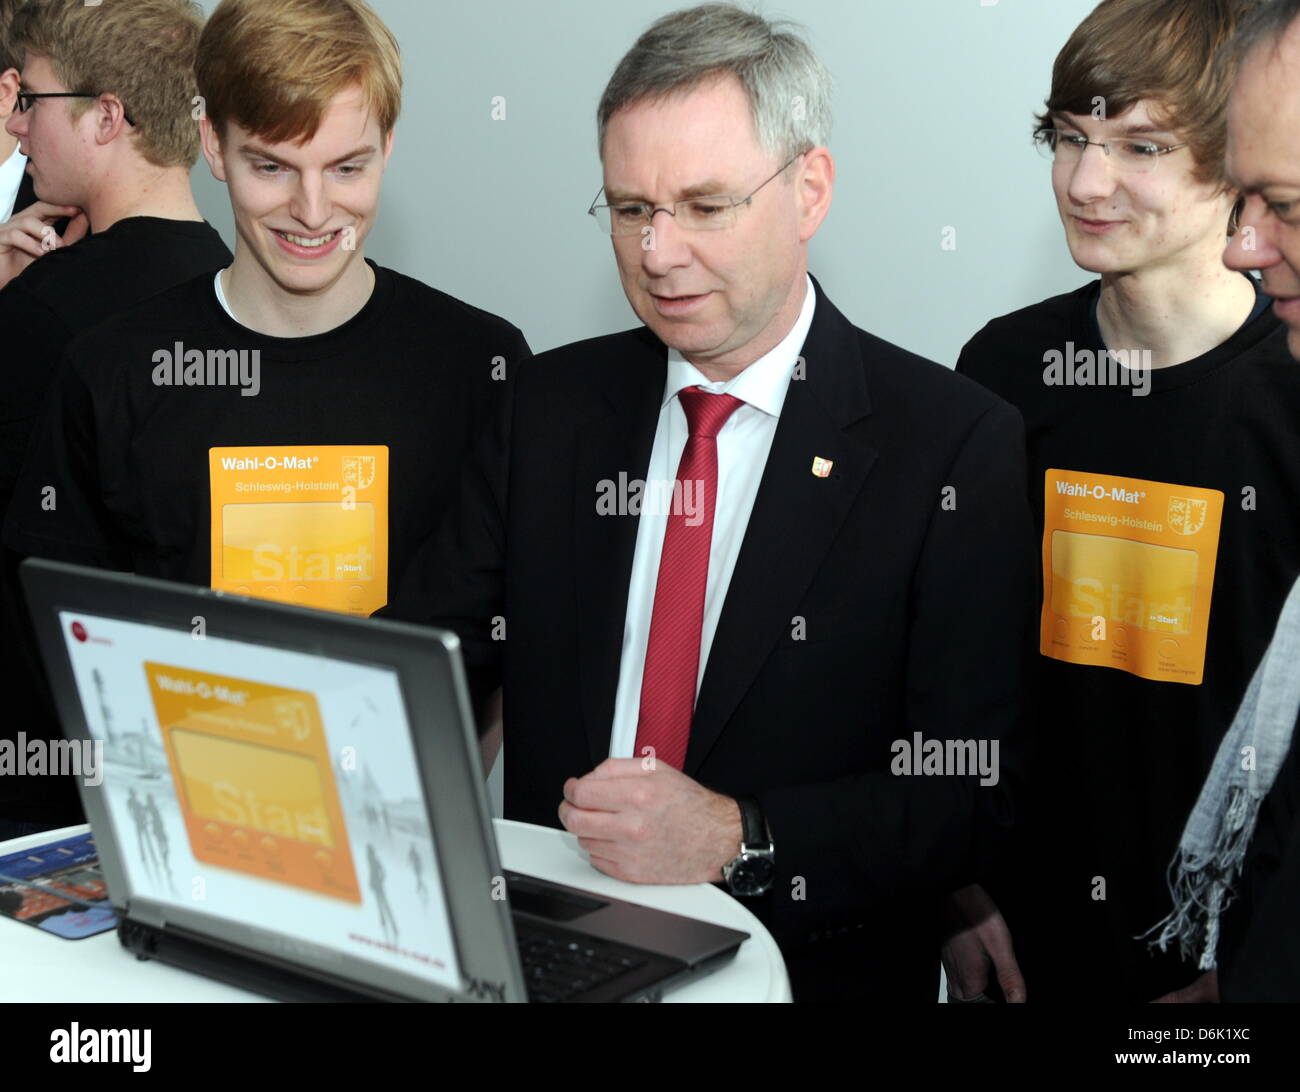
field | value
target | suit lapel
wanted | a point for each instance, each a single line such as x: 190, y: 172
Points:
x: 26, y: 195
x: 795, y: 519
x: 617, y: 439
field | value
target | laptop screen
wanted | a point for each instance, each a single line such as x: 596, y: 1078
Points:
x: 267, y: 787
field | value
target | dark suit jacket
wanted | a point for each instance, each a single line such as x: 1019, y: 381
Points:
x: 26, y: 195
x: 917, y: 616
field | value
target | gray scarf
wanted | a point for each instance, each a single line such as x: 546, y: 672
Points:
x: 1219, y: 830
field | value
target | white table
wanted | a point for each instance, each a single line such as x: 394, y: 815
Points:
x: 37, y: 966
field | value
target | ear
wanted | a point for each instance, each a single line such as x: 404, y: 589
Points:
x: 1236, y: 203
x: 211, y: 145
x: 388, y: 148
x: 815, y: 183
x: 110, y: 118
x: 9, y: 84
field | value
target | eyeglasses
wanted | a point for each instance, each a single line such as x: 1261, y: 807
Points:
x: 26, y: 98
x: 1136, y: 155
x: 695, y: 213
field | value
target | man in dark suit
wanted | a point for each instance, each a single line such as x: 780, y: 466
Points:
x: 23, y: 223
x: 731, y: 656
x: 12, y: 161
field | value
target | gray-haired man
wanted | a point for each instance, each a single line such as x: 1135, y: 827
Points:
x: 747, y: 553
x: 1239, y: 856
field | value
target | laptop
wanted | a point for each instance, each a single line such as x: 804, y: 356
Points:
x: 292, y: 802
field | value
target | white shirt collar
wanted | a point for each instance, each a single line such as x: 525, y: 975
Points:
x: 11, y: 177
x: 764, y: 383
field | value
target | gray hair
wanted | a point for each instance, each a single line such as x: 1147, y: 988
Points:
x: 789, y: 89
x: 1264, y: 25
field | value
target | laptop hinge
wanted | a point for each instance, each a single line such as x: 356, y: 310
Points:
x: 146, y: 912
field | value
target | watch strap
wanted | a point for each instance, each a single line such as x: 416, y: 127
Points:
x: 753, y: 828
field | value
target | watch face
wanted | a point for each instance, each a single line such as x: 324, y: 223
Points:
x: 752, y: 874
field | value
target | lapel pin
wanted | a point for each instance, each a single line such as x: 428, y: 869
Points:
x: 821, y: 468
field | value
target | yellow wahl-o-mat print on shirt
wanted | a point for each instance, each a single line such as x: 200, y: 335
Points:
x: 304, y: 525
x: 1128, y: 567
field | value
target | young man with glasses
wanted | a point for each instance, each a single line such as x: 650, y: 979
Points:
x: 104, y: 118
x: 733, y: 584
x: 85, y: 68
x: 291, y: 426
x: 1160, y: 408
x: 24, y: 220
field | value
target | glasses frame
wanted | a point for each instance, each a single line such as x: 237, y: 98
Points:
x: 26, y: 98
x: 1045, y: 136
x: 736, y: 202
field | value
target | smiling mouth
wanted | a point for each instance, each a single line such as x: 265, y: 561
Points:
x: 305, y: 241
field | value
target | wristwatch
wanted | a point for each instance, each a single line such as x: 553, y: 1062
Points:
x: 752, y: 870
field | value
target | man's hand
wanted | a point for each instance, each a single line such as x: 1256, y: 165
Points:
x: 27, y: 235
x: 652, y: 825
x: 1205, y: 990
x: 982, y: 938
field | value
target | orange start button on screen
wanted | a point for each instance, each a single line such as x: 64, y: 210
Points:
x: 253, y: 777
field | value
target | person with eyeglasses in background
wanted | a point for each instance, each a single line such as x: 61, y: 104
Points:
x: 747, y: 551
x: 1161, y: 409
x: 104, y: 117
x: 24, y: 219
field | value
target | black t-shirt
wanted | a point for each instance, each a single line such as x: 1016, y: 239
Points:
x: 415, y: 371
x: 1121, y: 758
x: 55, y: 299
x: 67, y: 291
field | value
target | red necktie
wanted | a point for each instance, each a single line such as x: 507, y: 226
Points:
x: 672, y: 659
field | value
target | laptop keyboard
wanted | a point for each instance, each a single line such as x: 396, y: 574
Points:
x: 562, y: 966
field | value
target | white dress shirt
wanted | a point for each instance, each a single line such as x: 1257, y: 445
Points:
x: 743, y: 444
x: 11, y: 177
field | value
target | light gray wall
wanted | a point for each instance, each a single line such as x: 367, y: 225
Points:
x: 933, y: 106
